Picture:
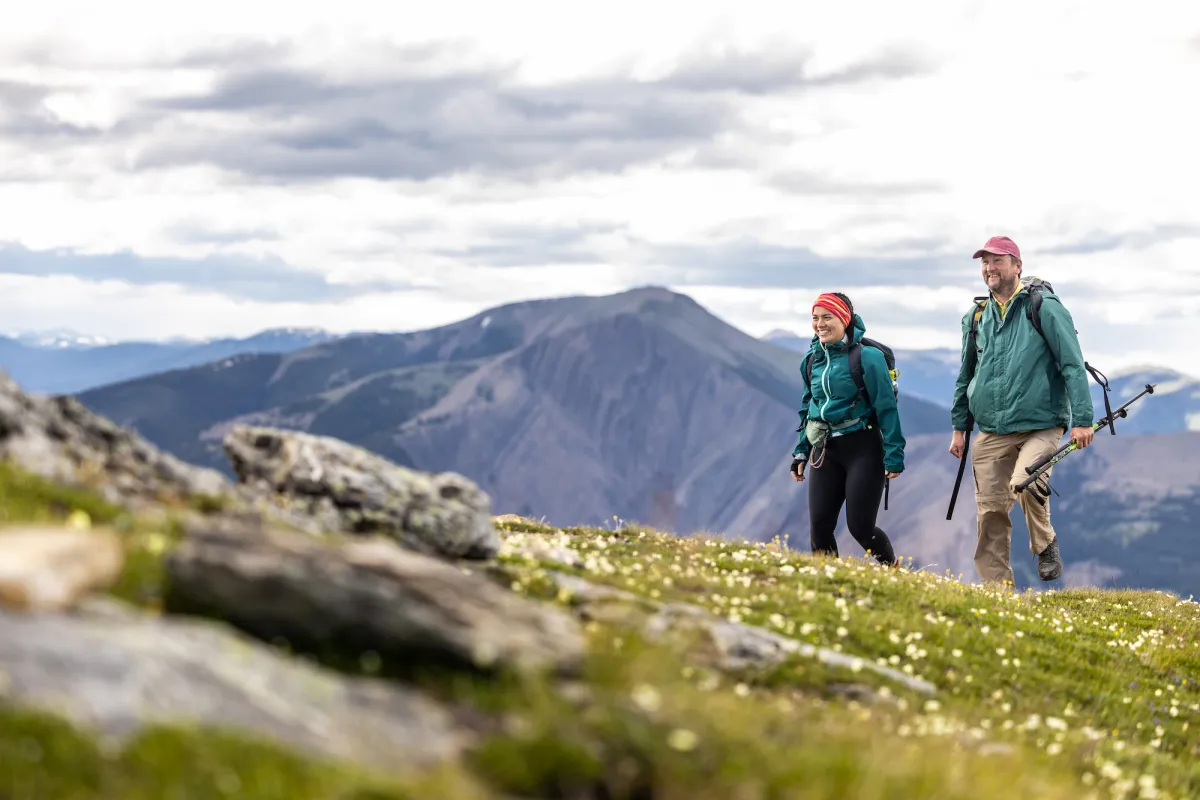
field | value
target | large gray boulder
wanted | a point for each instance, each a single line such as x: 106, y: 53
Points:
x: 114, y: 673
x: 359, y: 595
x: 59, y: 439
x: 347, y: 488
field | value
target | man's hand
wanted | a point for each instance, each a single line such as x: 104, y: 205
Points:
x: 958, y: 443
x: 1082, y: 436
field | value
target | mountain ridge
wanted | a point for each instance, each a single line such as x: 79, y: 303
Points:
x: 493, y: 363
x: 77, y: 363
x: 643, y: 405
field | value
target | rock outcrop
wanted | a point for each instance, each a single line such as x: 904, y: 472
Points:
x: 115, y: 672
x: 347, y: 488
x: 59, y: 439
x: 365, y: 595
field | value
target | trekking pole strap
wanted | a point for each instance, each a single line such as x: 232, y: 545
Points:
x: 1100, y: 379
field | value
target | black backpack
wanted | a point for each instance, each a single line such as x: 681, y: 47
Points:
x: 854, y: 354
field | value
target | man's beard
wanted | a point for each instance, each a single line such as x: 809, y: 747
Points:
x: 1006, y: 289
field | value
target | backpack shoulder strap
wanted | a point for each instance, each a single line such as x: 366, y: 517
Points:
x: 977, y: 307
x: 854, y: 354
x: 1033, y: 311
x: 807, y: 369
x: 980, y: 303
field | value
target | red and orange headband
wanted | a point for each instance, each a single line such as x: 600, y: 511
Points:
x: 836, y: 306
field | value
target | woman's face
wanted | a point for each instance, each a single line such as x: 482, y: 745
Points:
x: 826, y: 326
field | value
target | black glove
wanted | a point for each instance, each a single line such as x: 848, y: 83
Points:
x: 796, y: 465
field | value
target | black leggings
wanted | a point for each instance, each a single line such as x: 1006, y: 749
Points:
x: 851, y: 473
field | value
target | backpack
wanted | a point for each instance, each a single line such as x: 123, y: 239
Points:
x: 854, y: 354
x: 1035, y: 286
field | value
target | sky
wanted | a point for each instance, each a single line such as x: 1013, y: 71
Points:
x: 220, y: 168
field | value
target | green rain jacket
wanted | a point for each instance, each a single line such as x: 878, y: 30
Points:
x: 834, y: 397
x: 1016, y: 380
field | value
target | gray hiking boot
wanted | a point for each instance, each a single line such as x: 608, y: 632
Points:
x: 1050, y: 564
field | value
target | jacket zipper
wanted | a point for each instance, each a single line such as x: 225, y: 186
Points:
x: 825, y: 381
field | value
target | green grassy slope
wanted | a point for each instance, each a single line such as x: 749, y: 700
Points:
x: 1052, y: 695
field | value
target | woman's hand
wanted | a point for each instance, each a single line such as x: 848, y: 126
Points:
x: 892, y: 474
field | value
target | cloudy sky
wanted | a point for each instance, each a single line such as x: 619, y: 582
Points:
x: 247, y: 165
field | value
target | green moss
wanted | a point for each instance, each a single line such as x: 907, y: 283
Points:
x: 521, y: 525
x: 46, y: 758
x: 143, y: 580
x: 25, y: 497
x: 208, y: 503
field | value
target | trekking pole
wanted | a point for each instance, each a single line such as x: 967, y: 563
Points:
x: 1039, y: 467
x: 962, y: 465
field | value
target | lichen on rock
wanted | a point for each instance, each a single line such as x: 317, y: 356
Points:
x: 350, y: 489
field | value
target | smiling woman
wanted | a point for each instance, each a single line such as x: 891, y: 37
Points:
x: 850, y: 428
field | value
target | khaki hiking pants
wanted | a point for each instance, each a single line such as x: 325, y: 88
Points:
x: 998, y: 462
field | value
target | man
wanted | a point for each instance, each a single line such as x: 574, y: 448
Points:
x: 1023, y: 389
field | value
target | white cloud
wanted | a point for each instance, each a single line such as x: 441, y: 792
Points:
x: 125, y: 311
x: 1058, y: 124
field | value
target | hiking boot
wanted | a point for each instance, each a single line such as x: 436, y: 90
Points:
x: 1050, y: 564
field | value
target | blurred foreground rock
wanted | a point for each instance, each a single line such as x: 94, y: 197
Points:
x: 50, y: 568
x: 360, y: 595
x: 113, y: 673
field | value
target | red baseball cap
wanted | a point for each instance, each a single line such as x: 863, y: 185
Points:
x: 1001, y: 246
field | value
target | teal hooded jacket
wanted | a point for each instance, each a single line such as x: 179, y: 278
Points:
x: 834, y: 397
x: 1016, y: 380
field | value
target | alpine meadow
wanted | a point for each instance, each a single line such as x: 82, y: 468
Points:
x: 622, y: 401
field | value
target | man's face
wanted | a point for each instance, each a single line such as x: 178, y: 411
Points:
x: 1000, y: 273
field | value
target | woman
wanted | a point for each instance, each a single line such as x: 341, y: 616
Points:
x: 851, y: 455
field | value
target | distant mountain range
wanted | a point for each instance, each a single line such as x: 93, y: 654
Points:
x: 640, y: 404
x: 66, y: 362
x: 931, y: 374
x: 644, y: 406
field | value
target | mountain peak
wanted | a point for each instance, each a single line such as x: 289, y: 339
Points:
x: 57, y: 338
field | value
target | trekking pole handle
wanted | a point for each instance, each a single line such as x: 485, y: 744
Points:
x: 1041, y: 465
x: 1051, y: 459
x: 1034, y: 474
